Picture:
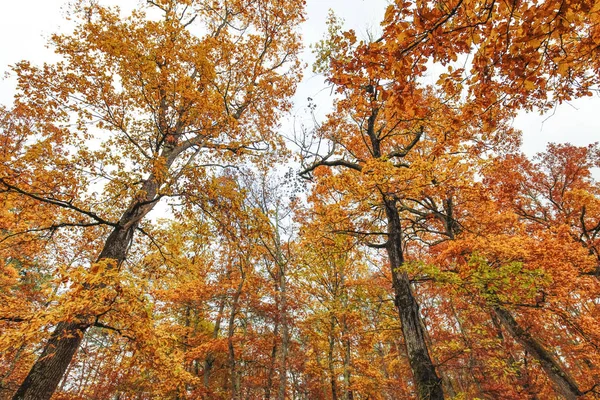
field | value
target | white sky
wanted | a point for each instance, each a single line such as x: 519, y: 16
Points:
x: 25, y: 25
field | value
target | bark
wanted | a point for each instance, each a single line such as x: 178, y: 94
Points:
x: 279, y: 278
x: 427, y: 382
x: 349, y: 395
x: 285, y: 336
x: 561, y: 379
x: 210, y: 358
x: 47, y: 372
x: 330, y: 360
x: 272, y: 364
x: 347, y: 362
x: 522, y: 374
x: 234, y: 376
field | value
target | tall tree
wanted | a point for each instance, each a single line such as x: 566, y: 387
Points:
x: 394, y: 138
x: 392, y: 156
x: 158, y: 102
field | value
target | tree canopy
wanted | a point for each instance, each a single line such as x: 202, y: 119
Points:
x: 163, y: 237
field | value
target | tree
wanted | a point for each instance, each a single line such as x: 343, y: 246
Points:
x: 430, y: 260
x: 399, y: 149
x: 160, y: 103
x: 394, y: 156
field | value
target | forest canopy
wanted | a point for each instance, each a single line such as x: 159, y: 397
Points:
x: 163, y: 235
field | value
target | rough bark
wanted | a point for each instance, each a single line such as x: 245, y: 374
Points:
x: 47, y: 372
x: 563, y: 382
x: 427, y: 382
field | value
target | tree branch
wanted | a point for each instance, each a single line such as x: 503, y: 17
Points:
x: 402, y: 153
x: 60, y: 203
x: 110, y: 328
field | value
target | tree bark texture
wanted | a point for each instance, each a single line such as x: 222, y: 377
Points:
x: 427, y: 382
x: 561, y: 379
x: 46, y: 373
x: 48, y: 370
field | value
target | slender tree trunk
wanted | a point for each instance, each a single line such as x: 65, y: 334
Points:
x: 12, y: 367
x: 347, y: 361
x: 273, y: 360
x: 322, y: 377
x: 521, y: 373
x: 562, y: 380
x: 465, y: 382
x: 285, y: 336
x: 330, y: 365
x: 210, y: 358
x: 349, y: 395
x: 381, y: 353
x: 235, y: 384
x: 427, y: 382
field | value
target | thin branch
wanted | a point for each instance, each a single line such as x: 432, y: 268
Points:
x: 60, y: 203
x: 110, y: 328
x: 50, y: 228
x: 402, y: 153
x: 333, y: 163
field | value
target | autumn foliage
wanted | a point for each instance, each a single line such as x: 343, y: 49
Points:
x: 153, y: 246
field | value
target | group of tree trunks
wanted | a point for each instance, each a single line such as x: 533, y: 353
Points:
x: 415, y: 253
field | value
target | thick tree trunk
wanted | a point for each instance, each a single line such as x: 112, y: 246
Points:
x: 561, y: 379
x: 428, y: 384
x: 47, y: 372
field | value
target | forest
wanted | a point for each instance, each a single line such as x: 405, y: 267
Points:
x: 165, y: 235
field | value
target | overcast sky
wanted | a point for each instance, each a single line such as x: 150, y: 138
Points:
x: 25, y: 25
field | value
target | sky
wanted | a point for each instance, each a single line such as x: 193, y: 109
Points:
x: 26, y: 24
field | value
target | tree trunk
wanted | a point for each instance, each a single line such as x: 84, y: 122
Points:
x: 349, y: 395
x: 330, y: 361
x: 210, y: 358
x: 561, y: 379
x: 47, y: 372
x: 235, y: 382
x: 347, y: 361
x: 272, y: 364
x: 285, y: 335
x: 428, y: 384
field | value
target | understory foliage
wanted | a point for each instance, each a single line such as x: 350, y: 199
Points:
x: 152, y: 248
